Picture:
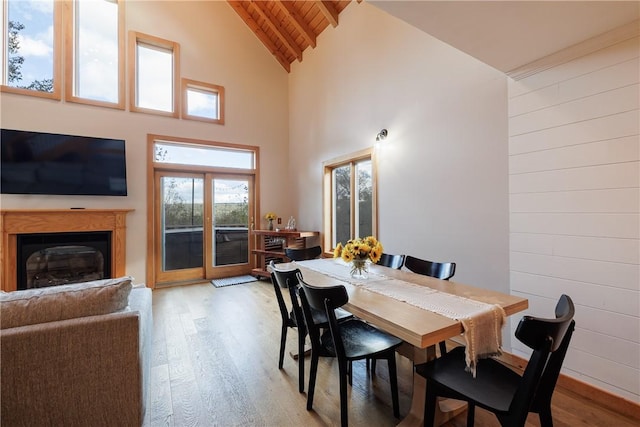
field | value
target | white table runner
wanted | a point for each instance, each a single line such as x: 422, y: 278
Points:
x: 482, y: 322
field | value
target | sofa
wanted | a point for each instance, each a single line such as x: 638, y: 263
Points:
x: 75, y: 355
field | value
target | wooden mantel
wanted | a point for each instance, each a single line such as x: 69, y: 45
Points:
x: 23, y: 221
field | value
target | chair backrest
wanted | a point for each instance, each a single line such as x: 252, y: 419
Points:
x: 325, y: 298
x: 439, y: 270
x: 393, y: 261
x: 549, y: 339
x: 303, y: 254
x: 287, y: 279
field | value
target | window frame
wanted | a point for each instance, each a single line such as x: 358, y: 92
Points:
x: 134, y: 39
x: 204, y: 87
x: 57, y: 55
x: 70, y: 57
x: 327, y: 194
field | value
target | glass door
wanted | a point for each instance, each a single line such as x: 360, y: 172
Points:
x: 202, y: 225
x: 231, y: 204
x: 179, y: 247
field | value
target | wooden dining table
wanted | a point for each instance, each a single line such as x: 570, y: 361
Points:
x: 420, y: 329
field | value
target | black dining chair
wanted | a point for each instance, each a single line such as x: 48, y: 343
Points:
x: 294, y: 318
x: 348, y: 340
x: 303, y: 254
x: 393, y: 261
x: 496, y: 387
x: 439, y: 270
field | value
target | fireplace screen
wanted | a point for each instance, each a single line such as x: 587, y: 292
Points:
x: 60, y: 265
x: 52, y: 259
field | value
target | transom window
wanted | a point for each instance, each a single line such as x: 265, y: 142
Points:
x: 203, y: 155
x: 349, y: 198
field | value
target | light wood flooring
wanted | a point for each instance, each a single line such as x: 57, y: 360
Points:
x: 215, y: 363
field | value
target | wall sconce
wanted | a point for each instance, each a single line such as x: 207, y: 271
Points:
x: 382, y: 135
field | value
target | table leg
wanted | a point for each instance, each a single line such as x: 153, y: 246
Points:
x: 445, y: 410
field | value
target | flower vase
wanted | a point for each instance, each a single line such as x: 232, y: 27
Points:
x: 359, y: 269
x: 270, y: 224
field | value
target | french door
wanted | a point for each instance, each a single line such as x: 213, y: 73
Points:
x: 202, y: 225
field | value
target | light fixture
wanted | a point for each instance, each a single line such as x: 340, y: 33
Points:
x: 382, y: 135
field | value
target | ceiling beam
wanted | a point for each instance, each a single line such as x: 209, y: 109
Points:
x: 329, y: 12
x: 297, y: 21
x: 277, y: 28
x: 246, y: 17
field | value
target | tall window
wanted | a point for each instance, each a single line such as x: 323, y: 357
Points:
x: 31, y: 47
x: 155, y: 73
x: 95, y: 60
x: 349, y: 198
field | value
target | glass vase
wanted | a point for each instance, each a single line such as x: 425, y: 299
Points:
x: 270, y: 224
x: 359, y: 269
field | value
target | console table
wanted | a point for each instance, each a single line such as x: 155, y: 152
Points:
x: 271, y: 244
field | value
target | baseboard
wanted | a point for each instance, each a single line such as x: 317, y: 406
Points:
x: 603, y: 398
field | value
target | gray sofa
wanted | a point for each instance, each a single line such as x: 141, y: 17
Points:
x: 75, y: 355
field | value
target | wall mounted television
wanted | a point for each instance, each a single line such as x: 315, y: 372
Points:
x: 50, y: 163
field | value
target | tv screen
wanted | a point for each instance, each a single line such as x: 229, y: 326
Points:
x: 49, y: 163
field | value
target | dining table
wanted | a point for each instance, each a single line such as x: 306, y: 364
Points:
x: 419, y: 328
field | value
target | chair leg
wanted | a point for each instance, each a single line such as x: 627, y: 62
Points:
x: 443, y: 348
x: 283, y: 340
x: 430, y: 401
x: 471, y: 414
x: 313, y: 370
x: 301, y: 337
x: 373, y: 365
x: 393, y: 380
x: 344, y: 377
x: 350, y: 372
x: 545, y: 417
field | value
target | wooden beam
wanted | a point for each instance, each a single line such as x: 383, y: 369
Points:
x: 277, y: 28
x: 329, y: 12
x: 297, y: 21
x: 253, y: 25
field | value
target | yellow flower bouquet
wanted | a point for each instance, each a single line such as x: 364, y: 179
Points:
x: 270, y: 216
x: 358, y: 252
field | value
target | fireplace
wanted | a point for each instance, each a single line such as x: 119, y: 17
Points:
x: 19, y: 224
x: 51, y: 259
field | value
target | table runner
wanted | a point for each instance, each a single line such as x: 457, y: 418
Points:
x: 482, y: 323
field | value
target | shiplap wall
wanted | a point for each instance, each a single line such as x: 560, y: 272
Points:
x: 574, y: 178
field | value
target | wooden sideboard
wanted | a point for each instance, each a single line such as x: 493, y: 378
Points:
x: 267, y: 248
x: 24, y: 221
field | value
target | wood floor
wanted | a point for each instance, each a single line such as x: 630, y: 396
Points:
x: 215, y: 363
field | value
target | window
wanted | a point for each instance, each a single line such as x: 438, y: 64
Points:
x: 31, y: 47
x: 203, y: 155
x: 95, y: 61
x: 153, y: 87
x: 202, y: 101
x: 349, y: 198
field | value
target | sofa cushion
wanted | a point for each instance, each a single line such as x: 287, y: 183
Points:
x: 41, y: 305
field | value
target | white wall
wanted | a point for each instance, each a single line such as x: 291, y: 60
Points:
x: 574, y: 176
x: 443, y: 192
x: 216, y: 47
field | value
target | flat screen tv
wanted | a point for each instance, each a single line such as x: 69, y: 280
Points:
x: 50, y: 163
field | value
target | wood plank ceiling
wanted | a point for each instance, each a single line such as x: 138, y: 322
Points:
x: 287, y: 28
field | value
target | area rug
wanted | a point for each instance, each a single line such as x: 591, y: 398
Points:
x: 229, y: 281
